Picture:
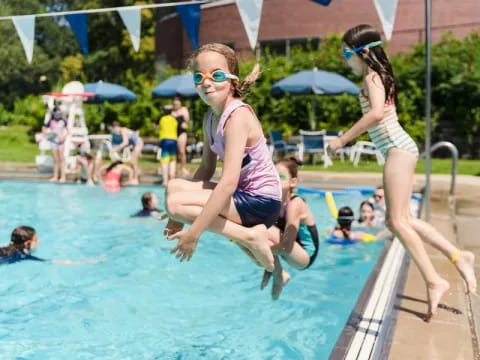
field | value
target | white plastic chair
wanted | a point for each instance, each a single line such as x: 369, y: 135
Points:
x: 365, y: 148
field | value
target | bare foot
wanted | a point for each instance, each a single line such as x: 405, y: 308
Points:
x: 265, y: 279
x: 62, y: 179
x: 435, y: 293
x: 173, y: 227
x: 53, y: 179
x: 260, y: 248
x: 185, y: 172
x: 464, y: 264
x: 279, y: 283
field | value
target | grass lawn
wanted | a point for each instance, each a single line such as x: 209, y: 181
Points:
x: 17, y: 146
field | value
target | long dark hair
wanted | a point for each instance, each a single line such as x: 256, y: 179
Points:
x: 366, y: 202
x: 375, y: 58
x: 344, y: 220
x: 292, y: 164
x: 20, y: 235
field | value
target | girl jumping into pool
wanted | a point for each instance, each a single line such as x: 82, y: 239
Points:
x: 364, y: 54
x: 294, y: 237
x: 246, y: 200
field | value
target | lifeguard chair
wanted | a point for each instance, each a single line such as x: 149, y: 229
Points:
x: 71, y: 101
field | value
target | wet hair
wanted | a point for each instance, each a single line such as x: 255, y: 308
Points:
x: 147, y: 201
x: 366, y: 202
x: 292, y: 165
x: 345, y: 219
x: 240, y: 88
x: 113, y: 165
x: 375, y: 57
x: 20, y: 235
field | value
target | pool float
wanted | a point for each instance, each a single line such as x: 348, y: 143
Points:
x: 331, y: 204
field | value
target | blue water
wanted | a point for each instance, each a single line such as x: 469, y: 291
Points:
x: 141, y: 303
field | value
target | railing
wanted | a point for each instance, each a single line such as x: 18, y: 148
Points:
x: 451, y: 196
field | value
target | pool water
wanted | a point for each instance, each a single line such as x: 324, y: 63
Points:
x: 141, y: 303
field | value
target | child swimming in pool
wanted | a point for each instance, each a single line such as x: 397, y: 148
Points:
x: 116, y: 175
x: 149, y: 204
x: 23, y: 242
x: 294, y: 237
x: 246, y: 200
x: 363, y: 52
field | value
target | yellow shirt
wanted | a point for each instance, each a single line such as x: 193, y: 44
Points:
x: 168, y: 127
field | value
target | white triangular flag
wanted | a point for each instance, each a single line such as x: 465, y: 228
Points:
x: 386, y: 10
x: 251, y: 13
x: 25, y: 26
x: 132, y: 20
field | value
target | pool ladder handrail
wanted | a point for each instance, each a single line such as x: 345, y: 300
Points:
x: 451, y: 197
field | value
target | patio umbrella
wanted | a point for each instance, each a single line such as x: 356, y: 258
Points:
x: 316, y: 82
x: 105, y: 91
x: 178, y: 85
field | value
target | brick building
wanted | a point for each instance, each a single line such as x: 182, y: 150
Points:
x: 285, y: 23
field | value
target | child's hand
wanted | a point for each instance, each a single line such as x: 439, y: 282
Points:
x: 335, y: 144
x: 185, y: 246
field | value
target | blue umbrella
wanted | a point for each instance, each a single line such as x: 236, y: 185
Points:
x: 178, y: 85
x: 314, y: 82
x: 105, y: 91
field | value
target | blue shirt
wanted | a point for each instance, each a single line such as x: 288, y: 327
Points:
x: 18, y: 256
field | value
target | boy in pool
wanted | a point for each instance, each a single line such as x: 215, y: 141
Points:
x: 23, y: 242
x: 149, y: 203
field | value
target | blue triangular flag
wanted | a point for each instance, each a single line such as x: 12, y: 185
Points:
x: 190, y: 16
x: 78, y: 23
x: 323, y: 2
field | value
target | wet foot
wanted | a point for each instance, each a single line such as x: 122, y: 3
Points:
x: 172, y: 227
x: 265, y: 279
x: 260, y: 248
x: 465, y: 265
x: 279, y: 283
x: 435, y: 293
x: 53, y: 179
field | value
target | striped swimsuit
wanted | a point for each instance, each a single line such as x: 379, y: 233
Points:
x: 388, y: 133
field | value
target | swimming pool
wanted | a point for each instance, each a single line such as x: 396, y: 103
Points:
x: 142, y: 303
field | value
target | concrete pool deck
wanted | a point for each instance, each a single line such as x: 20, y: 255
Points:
x: 453, y: 332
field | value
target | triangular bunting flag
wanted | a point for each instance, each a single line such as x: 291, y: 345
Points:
x: 190, y: 16
x: 251, y: 13
x: 78, y: 23
x: 386, y: 10
x: 25, y: 26
x: 132, y: 20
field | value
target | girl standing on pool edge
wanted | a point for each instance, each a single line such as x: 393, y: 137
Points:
x: 363, y: 53
x: 246, y: 200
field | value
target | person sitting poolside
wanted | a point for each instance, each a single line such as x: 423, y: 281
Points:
x: 23, y: 242
x: 149, y: 203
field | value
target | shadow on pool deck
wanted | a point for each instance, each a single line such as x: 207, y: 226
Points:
x: 453, y: 332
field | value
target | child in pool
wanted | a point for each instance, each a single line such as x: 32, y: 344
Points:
x: 149, y: 204
x: 364, y: 54
x: 246, y: 200
x: 367, y: 216
x: 116, y: 175
x: 23, y: 242
x: 294, y: 237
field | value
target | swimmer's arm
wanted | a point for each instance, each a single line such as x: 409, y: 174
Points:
x: 236, y: 136
x: 376, y: 94
x: 78, y: 262
x: 186, y: 118
x: 294, y: 215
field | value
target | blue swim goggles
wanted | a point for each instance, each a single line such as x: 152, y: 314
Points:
x: 348, y: 53
x: 217, y: 76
